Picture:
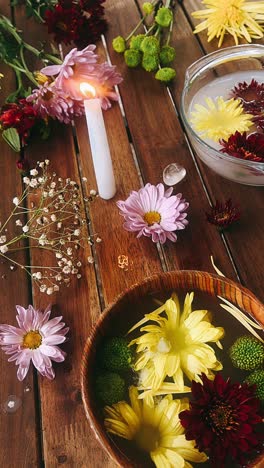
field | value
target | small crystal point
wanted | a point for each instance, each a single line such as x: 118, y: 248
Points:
x: 173, y: 174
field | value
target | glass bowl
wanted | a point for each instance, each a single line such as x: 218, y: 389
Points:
x: 223, y: 68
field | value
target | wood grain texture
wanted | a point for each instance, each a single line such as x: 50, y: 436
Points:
x: 159, y: 140
x: 14, y: 450
x: 184, y: 281
x: 67, y: 440
x: 245, y: 239
x: 107, y: 222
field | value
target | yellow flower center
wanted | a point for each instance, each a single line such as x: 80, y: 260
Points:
x: 147, y: 438
x: 152, y: 217
x: 232, y: 10
x: 32, y: 339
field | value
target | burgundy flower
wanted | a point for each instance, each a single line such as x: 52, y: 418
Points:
x: 251, y: 95
x: 223, y: 214
x: 223, y: 419
x: 249, y: 147
x: 64, y: 21
x: 19, y: 115
x: 79, y: 22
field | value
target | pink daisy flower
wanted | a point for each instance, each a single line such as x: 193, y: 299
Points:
x: 154, y: 213
x: 104, y: 78
x: 35, y: 340
x: 75, y: 69
x: 49, y: 101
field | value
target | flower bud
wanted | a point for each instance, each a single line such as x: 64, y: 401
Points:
x: 22, y: 165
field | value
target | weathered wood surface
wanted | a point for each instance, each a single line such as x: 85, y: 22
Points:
x: 151, y: 133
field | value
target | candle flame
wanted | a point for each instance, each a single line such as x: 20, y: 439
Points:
x: 87, y: 90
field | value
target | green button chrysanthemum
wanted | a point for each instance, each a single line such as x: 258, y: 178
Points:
x: 148, y: 8
x: 132, y: 57
x: 136, y: 41
x: 119, y: 44
x: 150, y: 45
x: 165, y: 74
x: 164, y: 17
x: 167, y: 55
x: 150, y: 62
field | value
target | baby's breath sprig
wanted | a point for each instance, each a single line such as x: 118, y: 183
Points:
x: 152, y: 50
x: 54, y: 223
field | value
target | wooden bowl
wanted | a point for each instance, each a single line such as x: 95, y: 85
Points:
x: 118, y: 314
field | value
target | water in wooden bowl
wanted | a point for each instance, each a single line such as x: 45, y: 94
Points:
x: 129, y: 308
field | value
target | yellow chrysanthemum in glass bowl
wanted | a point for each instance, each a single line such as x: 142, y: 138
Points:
x: 175, y: 345
x: 240, y: 18
x: 156, y: 430
x: 219, y: 119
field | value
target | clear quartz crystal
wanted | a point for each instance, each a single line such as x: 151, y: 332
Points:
x: 173, y: 174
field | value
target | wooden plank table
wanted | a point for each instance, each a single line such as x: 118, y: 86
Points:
x: 49, y: 429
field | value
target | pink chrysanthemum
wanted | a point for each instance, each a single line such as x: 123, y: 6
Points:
x: 154, y: 213
x: 35, y: 340
x: 49, y: 101
x: 75, y: 69
x: 104, y: 78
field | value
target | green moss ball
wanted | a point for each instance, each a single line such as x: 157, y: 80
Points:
x: 116, y: 355
x: 247, y: 353
x: 257, y: 378
x: 119, y: 44
x: 167, y: 55
x: 132, y: 58
x: 110, y: 388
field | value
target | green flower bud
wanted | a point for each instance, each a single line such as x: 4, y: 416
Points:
x: 247, y: 353
x: 136, y: 41
x: 148, y: 8
x: 150, y: 45
x: 165, y: 74
x: 150, y: 62
x: 257, y: 378
x: 119, y: 44
x: 167, y: 55
x: 164, y: 17
x: 132, y: 57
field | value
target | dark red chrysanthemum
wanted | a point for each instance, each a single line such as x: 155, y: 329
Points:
x: 19, y: 115
x: 241, y: 146
x: 80, y: 22
x: 251, y: 95
x: 223, y: 214
x: 223, y: 419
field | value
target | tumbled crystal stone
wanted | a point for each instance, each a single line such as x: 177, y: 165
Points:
x: 173, y: 174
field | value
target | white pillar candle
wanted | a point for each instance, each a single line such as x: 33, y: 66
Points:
x: 102, y: 161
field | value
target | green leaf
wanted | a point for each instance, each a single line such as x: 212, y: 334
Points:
x: 12, y: 138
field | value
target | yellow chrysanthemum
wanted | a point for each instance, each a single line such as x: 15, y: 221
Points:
x: 220, y: 118
x: 239, y: 18
x: 156, y: 430
x: 174, y: 346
